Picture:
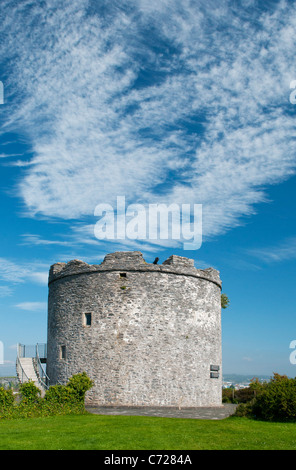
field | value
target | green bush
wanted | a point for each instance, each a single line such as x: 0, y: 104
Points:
x: 58, y: 399
x: 6, y: 399
x: 29, y: 392
x: 80, y: 384
x: 276, y: 401
x: 226, y: 399
x: 59, y: 394
x: 243, y: 395
x: 244, y: 410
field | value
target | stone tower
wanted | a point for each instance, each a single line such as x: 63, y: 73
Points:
x: 146, y: 334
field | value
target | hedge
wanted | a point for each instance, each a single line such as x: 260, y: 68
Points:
x: 58, y: 399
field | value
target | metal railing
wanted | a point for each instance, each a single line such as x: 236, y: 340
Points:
x: 38, y: 353
x: 41, y: 374
x: 20, y: 371
x: 26, y: 350
x: 32, y: 350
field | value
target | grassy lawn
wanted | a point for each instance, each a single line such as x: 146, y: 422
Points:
x: 95, y: 432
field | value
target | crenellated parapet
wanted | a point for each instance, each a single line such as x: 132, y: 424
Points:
x: 133, y: 261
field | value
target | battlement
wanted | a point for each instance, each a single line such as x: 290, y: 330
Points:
x: 133, y: 261
x: 127, y: 257
x: 175, y: 260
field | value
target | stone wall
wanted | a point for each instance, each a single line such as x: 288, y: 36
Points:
x: 155, y: 330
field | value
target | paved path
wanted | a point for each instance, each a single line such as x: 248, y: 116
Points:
x: 165, y: 412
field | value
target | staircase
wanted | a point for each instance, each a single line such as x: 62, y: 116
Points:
x: 29, y: 365
x: 27, y: 371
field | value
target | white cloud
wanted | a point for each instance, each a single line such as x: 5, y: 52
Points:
x: 12, y: 272
x: 5, y: 291
x: 34, y: 239
x: 285, y: 250
x: 40, y: 277
x: 6, y: 155
x: 247, y: 359
x: 32, y: 306
x: 15, y: 273
x: 160, y: 102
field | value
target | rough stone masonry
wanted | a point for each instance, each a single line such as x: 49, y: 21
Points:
x: 146, y: 334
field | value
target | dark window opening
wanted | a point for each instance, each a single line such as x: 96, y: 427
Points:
x: 122, y: 274
x: 63, y: 352
x: 87, y: 319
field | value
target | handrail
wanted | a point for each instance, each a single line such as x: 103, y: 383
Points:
x: 22, y: 376
x: 26, y: 350
x: 40, y: 372
x: 33, y: 352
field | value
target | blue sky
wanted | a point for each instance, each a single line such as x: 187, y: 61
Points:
x: 162, y: 102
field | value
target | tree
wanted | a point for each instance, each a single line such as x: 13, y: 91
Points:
x: 224, y: 301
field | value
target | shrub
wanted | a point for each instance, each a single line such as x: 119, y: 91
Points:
x: 29, y: 392
x: 80, y: 384
x: 243, y: 395
x: 276, y: 401
x: 6, y: 399
x: 67, y: 399
x: 59, y: 394
x: 59, y: 399
x: 226, y: 399
x: 244, y: 410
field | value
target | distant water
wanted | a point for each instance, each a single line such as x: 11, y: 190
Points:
x: 240, y: 378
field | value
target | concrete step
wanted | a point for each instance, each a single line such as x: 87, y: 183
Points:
x: 29, y: 370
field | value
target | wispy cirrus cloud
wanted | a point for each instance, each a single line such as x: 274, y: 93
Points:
x: 5, y: 291
x: 34, y: 239
x: 158, y: 101
x: 32, y: 306
x: 283, y: 251
x: 7, y: 155
x: 15, y: 273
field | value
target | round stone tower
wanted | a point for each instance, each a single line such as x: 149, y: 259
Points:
x: 146, y: 334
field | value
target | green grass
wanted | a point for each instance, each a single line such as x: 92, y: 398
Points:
x: 95, y: 432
